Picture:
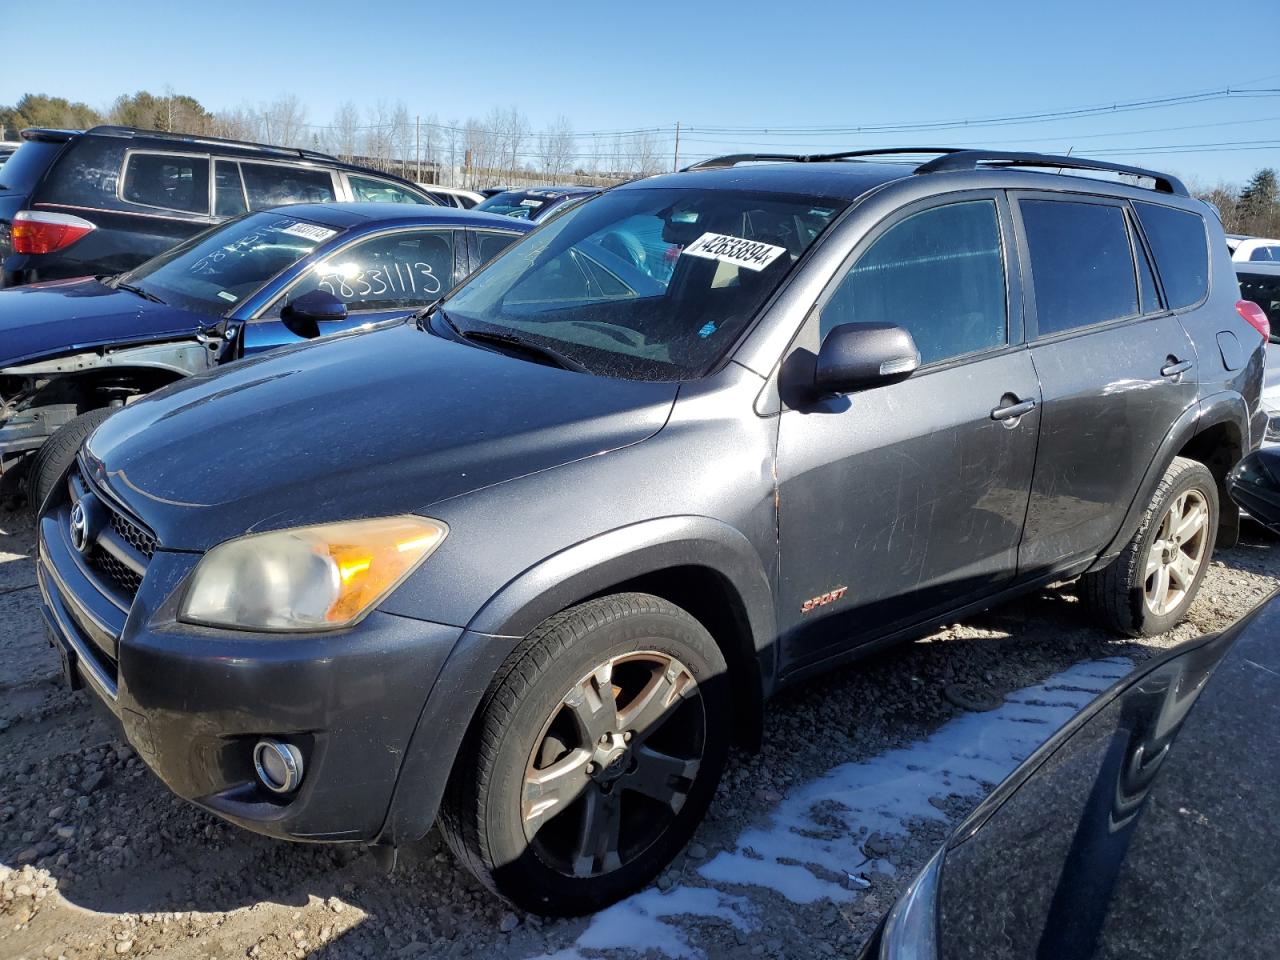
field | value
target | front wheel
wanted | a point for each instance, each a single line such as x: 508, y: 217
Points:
x: 594, y: 757
x: 57, y: 454
x: 1148, y: 588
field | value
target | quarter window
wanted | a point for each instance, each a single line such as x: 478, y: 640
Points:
x: 168, y: 181
x: 489, y: 245
x: 381, y: 191
x: 409, y: 268
x: 228, y: 192
x: 1081, y: 263
x: 939, y: 274
x: 274, y: 184
x: 1181, y: 248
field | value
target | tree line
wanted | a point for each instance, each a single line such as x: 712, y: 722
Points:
x: 1253, y: 209
x: 499, y: 148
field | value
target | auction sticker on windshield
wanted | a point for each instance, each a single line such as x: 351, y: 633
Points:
x: 750, y: 254
x: 309, y: 231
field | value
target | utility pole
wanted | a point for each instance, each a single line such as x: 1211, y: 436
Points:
x: 417, y: 146
x: 675, y: 161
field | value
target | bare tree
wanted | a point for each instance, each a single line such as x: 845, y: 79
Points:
x: 344, y: 135
x: 284, y: 121
x: 555, y: 149
x: 645, y: 154
x: 240, y: 123
x: 379, y: 137
x: 402, y: 137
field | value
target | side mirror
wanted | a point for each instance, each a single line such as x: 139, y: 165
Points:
x: 855, y: 356
x: 304, y: 315
x: 1254, y: 485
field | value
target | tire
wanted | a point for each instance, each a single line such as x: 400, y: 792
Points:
x: 53, y: 459
x: 1124, y: 595
x: 538, y: 722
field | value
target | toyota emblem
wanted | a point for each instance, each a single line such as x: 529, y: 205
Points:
x: 79, y: 528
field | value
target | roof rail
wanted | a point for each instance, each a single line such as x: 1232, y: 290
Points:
x: 118, y: 131
x: 733, y: 159
x: 971, y: 159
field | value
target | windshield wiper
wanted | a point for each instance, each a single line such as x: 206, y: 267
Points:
x: 144, y: 294
x: 509, y: 340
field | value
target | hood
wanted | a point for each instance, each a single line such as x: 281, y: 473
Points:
x: 62, y: 316
x: 1144, y: 832
x: 370, y: 424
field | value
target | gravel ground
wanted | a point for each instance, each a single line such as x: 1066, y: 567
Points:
x: 97, y: 859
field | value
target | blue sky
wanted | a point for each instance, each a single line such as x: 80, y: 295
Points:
x: 741, y: 65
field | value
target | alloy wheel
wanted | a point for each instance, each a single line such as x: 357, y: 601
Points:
x: 613, y: 764
x: 1177, y: 553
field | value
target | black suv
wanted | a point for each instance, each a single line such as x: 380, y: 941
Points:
x: 532, y: 562
x: 104, y: 200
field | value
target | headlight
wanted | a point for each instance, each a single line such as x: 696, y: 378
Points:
x: 308, y: 578
x: 911, y: 931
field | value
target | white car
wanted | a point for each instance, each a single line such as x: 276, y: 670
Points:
x: 1253, y: 249
x: 456, y: 197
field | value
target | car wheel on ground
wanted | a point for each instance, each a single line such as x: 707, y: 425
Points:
x: 594, y: 756
x: 1148, y: 588
x: 59, y: 452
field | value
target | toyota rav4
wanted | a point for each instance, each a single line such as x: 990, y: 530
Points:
x: 531, y: 564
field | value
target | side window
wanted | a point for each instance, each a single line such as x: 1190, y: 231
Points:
x: 939, y: 274
x: 408, y: 268
x: 228, y: 191
x: 1081, y: 263
x: 275, y: 184
x: 380, y: 191
x: 1181, y: 248
x: 489, y: 245
x: 1262, y: 254
x: 167, y: 180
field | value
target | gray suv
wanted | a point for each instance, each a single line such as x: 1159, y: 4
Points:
x: 531, y: 563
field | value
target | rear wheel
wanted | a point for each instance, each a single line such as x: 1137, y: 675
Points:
x: 1148, y: 588
x: 594, y: 757
x: 53, y: 459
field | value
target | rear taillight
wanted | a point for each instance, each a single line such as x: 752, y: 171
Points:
x: 38, y: 231
x: 1254, y: 316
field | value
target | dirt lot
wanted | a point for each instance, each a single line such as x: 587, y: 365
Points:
x: 97, y: 859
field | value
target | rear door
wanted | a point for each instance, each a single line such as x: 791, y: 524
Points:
x: 906, y: 500
x: 1115, y: 366
x: 381, y: 277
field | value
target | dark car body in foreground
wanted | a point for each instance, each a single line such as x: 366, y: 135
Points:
x: 535, y: 561
x: 1143, y: 829
x: 69, y: 347
x: 78, y: 203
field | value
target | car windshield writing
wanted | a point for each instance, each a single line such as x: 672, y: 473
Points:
x: 651, y: 284
x: 214, y: 271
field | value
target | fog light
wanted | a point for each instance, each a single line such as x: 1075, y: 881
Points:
x: 279, y: 765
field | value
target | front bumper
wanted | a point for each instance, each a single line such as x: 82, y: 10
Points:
x: 194, y: 701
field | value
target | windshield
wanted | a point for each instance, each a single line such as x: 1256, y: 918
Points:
x: 652, y: 284
x: 215, y: 270
x: 516, y: 203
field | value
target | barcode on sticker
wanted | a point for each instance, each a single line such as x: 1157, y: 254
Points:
x: 309, y: 231
x: 749, y: 254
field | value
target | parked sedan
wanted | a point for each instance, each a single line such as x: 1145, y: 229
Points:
x: 536, y: 203
x: 72, y: 350
x: 1140, y: 829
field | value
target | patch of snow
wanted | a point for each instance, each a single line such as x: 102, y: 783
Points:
x: 816, y: 835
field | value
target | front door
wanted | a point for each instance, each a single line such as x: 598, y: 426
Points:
x: 903, y: 501
x: 380, y: 277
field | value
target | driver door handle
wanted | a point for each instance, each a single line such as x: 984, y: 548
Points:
x: 1011, y: 408
x: 1175, y: 367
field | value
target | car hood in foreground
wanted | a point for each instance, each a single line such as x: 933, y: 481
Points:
x: 1148, y: 831
x: 62, y: 316
x: 371, y: 424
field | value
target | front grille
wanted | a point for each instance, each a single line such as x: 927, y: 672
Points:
x: 132, y: 534
x: 125, y: 579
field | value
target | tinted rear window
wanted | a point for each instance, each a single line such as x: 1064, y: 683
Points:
x: 1181, y: 248
x: 21, y: 171
x: 86, y: 174
x: 1081, y: 263
x: 168, y: 181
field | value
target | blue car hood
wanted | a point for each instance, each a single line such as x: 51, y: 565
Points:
x: 62, y: 316
x: 363, y: 425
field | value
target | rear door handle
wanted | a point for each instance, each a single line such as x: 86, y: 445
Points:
x: 1175, y: 367
x: 1013, y: 410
